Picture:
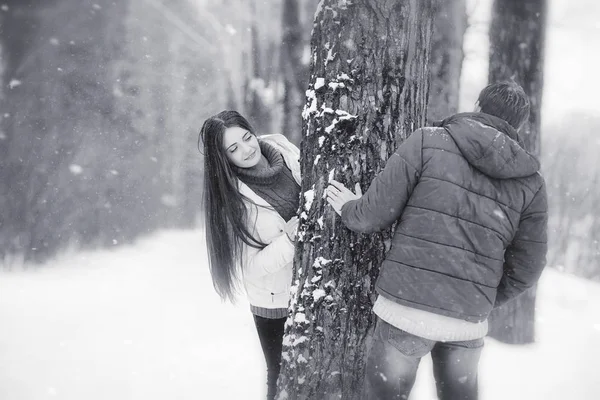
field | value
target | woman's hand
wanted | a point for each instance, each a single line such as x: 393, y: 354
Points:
x: 291, y: 227
x: 338, y: 195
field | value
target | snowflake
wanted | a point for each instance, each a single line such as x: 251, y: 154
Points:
x: 75, y: 169
x: 14, y: 83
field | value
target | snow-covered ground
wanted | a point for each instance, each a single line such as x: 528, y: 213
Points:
x: 143, y: 322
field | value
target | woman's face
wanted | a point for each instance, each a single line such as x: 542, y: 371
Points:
x: 241, y: 147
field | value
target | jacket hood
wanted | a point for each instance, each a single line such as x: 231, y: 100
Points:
x: 491, y: 145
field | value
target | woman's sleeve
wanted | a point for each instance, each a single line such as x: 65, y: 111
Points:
x: 274, y: 257
x: 270, y: 259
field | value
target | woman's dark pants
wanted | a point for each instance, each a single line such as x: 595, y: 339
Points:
x: 270, y: 333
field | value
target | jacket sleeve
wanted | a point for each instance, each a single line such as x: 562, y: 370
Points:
x: 525, y: 257
x: 270, y: 259
x: 389, y: 192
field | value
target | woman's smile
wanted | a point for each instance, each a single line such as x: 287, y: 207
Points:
x: 250, y: 156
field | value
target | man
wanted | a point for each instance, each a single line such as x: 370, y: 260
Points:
x: 471, y: 210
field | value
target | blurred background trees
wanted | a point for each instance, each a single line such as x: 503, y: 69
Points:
x: 101, y: 103
x: 100, y: 112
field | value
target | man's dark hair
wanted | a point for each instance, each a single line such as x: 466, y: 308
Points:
x: 506, y: 100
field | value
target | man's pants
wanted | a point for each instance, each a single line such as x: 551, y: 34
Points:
x: 394, y: 358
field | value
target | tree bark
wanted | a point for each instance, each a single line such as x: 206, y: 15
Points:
x: 450, y: 25
x: 367, y: 92
x: 517, y: 35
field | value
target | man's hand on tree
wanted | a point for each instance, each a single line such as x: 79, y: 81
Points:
x: 338, y: 195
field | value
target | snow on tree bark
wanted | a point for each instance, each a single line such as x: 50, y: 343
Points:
x: 517, y: 35
x: 447, y: 57
x: 367, y: 92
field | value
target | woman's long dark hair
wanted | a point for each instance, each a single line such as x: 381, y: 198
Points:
x: 224, y: 208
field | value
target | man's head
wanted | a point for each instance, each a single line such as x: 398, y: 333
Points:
x: 506, y: 100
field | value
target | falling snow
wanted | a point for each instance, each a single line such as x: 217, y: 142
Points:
x: 498, y: 213
x: 75, y: 169
x: 230, y: 29
x: 14, y: 83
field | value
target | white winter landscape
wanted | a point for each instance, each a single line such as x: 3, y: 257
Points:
x: 143, y: 322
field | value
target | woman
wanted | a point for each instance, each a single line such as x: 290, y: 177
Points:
x: 251, y: 193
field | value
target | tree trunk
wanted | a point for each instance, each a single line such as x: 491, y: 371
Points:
x: 367, y: 92
x: 294, y: 70
x: 262, y: 82
x: 517, y: 34
x: 447, y: 57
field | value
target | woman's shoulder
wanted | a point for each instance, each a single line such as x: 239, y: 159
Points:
x: 291, y: 154
x: 281, y: 141
x: 275, y: 137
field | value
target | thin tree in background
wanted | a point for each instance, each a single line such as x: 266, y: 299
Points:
x: 297, y: 18
x: 517, y: 36
x: 446, y: 59
x: 262, y: 86
x: 367, y: 91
